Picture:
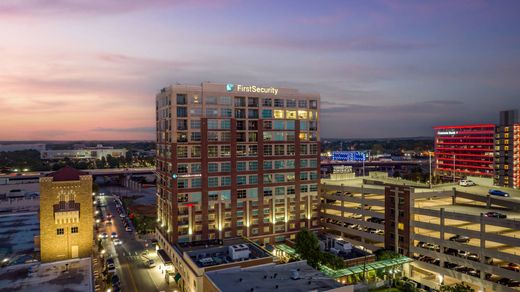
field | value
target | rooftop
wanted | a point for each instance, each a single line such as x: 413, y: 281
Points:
x: 206, y: 253
x: 66, y: 173
x: 17, y: 231
x: 295, y: 276
x: 70, y: 275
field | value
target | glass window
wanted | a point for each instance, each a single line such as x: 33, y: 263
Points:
x: 290, y: 150
x: 267, y: 101
x: 279, y: 150
x: 241, y: 150
x: 291, y: 103
x: 253, y: 165
x: 241, y: 166
x: 74, y: 229
x: 279, y: 178
x: 253, y: 179
x: 182, y: 151
x: 212, y: 167
x: 289, y: 125
x: 304, y: 126
x: 182, y: 168
x: 212, y: 151
x: 278, y: 102
x: 304, y: 176
x: 182, y: 183
x: 267, y: 114
x: 225, y: 124
x: 181, y: 99
x: 291, y: 190
x: 195, y: 124
x: 225, y: 151
x: 225, y: 100
x: 268, y: 165
x: 290, y: 136
x: 280, y: 191
x: 225, y: 181
x: 302, y: 103
x: 195, y: 136
x: 182, y: 112
x: 60, y: 231
x: 252, y: 101
x: 303, y: 149
x: 213, y: 136
x: 290, y: 115
x: 268, y: 178
x: 213, y: 181
x: 278, y: 125
x: 304, y: 163
x: 225, y: 167
x: 267, y: 193
x: 195, y: 112
x: 278, y: 114
x: 313, y: 188
x: 226, y: 112
x: 211, y: 112
x: 211, y: 100
x: 240, y: 113
x: 289, y: 163
x: 268, y: 150
x: 195, y: 168
x: 304, y: 188
x: 240, y: 101
x: 278, y: 136
x: 279, y: 164
x: 225, y: 136
x: 252, y: 150
x: 252, y: 114
x: 302, y: 115
x: 313, y: 104
x: 252, y: 137
x: 196, y: 182
x: 241, y: 180
x: 313, y: 163
x: 212, y: 124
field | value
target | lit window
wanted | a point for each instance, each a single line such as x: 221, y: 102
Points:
x: 291, y: 115
x: 302, y: 115
x: 278, y: 114
x: 303, y: 136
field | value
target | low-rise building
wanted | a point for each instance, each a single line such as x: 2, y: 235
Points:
x: 295, y: 276
x: 187, y: 262
x: 91, y: 153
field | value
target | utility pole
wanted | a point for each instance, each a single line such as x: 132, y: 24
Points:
x: 430, y: 158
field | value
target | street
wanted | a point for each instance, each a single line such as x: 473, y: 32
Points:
x: 133, y: 274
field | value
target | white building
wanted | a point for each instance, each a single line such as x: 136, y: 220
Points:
x: 86, y: 153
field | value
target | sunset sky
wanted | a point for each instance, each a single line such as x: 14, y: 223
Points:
x: 72, y: 69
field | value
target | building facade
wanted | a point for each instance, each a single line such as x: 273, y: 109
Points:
x: 462, y: 151
x: 235, y: 160
x: 66, y: 215
x: 507, y: 150
x: 90, y: 153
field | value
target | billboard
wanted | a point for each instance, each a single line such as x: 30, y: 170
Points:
x: 349, y: 156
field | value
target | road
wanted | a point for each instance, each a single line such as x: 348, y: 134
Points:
x: 133, y: 274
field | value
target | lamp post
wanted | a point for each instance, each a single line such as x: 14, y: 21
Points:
x: 430, y: 158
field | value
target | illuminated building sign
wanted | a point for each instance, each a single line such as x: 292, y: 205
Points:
x: 449, y: 132
x: 251, y: 88
x: 342, y: 169
x: 349, y: 155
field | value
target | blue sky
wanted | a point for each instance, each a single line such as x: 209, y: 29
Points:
x: 73, y: 69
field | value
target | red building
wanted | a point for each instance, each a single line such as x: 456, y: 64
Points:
x: 464, y: 151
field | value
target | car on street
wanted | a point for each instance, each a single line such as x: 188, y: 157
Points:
x: 467, y: 183
x: 113, y: 235
x: 128, y: 229
x: 149, y: 263
x: 495, y: 215
x: 103, y: 235
x: 498, y: 193
x: 122, y: 215
x: 460, y: 238
x: 115, y: 281
x: 117, y: 241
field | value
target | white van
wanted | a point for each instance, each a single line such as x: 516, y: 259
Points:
x: 466, y: 183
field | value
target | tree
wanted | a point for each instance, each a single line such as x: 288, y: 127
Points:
x: 308, y: 246
x: 458, y: 287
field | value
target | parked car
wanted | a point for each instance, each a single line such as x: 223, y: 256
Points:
x: 495, y: 215
x: 117, y: 241
x: 149, y: 263
x: 498, y: 193
x: 115, y: 281
x: 122, y: 215
x: 466, y: 183
x: 460, y: 238
x: 463, y: 253
x: 514, y: 267
x: 128, y: 229
x: 103, y: 235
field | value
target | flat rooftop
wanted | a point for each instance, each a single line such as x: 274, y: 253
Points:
x: 70, y: 275
x: 17, y: 231
x: 207, y: 253
x: 273, y: 277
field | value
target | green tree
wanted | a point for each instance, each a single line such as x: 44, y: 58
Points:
x: 458, y: 287
x: 307, y: 245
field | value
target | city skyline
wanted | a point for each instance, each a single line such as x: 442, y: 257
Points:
x: 88, y: 70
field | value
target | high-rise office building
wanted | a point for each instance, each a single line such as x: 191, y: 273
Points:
x: 507, y: 150
x: 462, y: 151
x: 66, y: 215
x: 236, y: 160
